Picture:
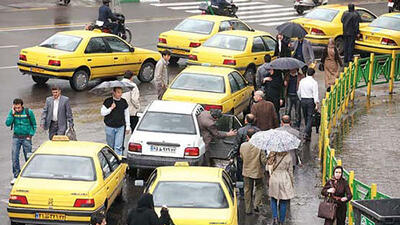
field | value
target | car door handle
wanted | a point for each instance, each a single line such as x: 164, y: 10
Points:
x: 89, y: 60
x: 115, y: 57
x: 108, y: 188
x: 255, y: 58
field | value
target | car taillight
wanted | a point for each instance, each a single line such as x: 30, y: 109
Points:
x: 316, y: 31
x: 193, y: 57
x: 162, y: 40
x: 390, y: 0
x: 22, y: 57
x: 194, y: 44
x: 208, y: 107
x: 18, y: 199
x: 229, y: 62
x: 387, y: 41
x: 84, y: 203
x: 192, y: 151
x: 135, y: 147
x: 54, y: 62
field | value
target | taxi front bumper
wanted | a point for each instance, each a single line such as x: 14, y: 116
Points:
x: 151, y: 162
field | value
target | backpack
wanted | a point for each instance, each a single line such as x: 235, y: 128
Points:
x: 27, y: 115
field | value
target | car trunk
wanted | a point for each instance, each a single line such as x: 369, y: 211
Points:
x: 199, y: 216
x: 215, y: 56
x: 53, y: 192
x: 376, y: 37
x: 191, y: 96
x: 41, y: 55
x: 309, y: 24
x: 179, y: 39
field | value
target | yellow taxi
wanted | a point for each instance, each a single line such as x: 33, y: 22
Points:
x: 81, y: 55
x: 325, y: 22
x: 193, y: 31
x: 206, y: 194
x: 381, y: 36
x: 243, y: 51
x: 66, y: 182
x: 213, y: 87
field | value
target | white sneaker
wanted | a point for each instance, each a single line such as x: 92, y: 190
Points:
x: 13, y: 181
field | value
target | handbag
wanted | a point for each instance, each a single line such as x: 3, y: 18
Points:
x: 70, y: 133
x: 327, y: 209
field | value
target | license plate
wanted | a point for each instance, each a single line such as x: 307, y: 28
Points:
x: 50, y: 216
x: 372, y: 38
x: 165, y: 149
x: 181, y: 52
x: 37, y: 70
x: 390, y: 4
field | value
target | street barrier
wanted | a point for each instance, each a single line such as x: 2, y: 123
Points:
x: 364, y: 72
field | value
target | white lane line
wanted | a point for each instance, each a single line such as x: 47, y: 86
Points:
x: 196, y: 6
x: 275, y: 19
x: 263, y: 11
x: 186, y: 3
x: 268, y: 15
x: 265, y: 6
x: 193, y: 11
x: 272, y: 24
x: 7, y: 67
x: 9, y: 46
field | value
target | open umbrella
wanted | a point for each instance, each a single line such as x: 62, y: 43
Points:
x: 287, y: 63
x: 106, y: 87
x: 290, y: 29
x: 275, y: 140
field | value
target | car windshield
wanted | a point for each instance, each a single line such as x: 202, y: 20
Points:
x: 199, y: 82
x: 62, y: 42
x: 63, y: 167
x: 386, y: 22
x: 322, y: 14
x: 195, y: 26
x: 224, y: 41
x: 191, y: 195
x: 167, y: 123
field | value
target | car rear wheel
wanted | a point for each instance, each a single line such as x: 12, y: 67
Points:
x: 173, y: 60
x: 79, y: 80
x: 339, y: 45
x: 40, y: 80
x: 146, y: 73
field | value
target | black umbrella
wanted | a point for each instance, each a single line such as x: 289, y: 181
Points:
x: 290, y: 29
x: 287, y: 63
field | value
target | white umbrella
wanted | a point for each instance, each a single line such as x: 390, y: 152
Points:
x: 275, y: 140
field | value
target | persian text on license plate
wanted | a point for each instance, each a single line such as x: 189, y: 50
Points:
x: 181, y: 52
x: 166, y: 149
x: 50, y: 216
x: 37, y: 70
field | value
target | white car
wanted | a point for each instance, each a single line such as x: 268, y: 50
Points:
x: 168, y: 132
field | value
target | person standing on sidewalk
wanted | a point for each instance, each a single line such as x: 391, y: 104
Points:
x: 57, y: 113
x: 351, y: 24
x: 285, y: 126
x: 281, y: 184
x: 23, y: 121
x: 331, y: 64
x: 303, y: 51
x: 282, y: 46
x: 161, y: 73
x: 273, y: 88
x: 262, y: 72
x: 254, y: 161
x: 264, y: 112
x: 291, y: 82
x: 308, y: 93
x: 116, y: 118
x: 132, y: 98
x: 240, y: 138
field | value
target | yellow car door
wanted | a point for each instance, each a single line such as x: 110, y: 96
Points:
x: 121, y: 54
x: 235, y: 95
x: 98, y: 58
x: 105, y: 167
x: 227, y: 180
x: 258, y: 51
x: 116, y: 177
x: 270, y: 44
x: 244, y: 95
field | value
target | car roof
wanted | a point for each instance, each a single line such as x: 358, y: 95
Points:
x: 76, y: 148
x: 209, y: 70
x: 172, y: 107
x: 211, y: 18
x: 245, y: 33
x: 338, y: 7
x: 85, y: 33
x: 189, y: 173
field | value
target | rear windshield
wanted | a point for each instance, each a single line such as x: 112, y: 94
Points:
x: 322, y: 14
x: 61, y: 167
x: 386, y: 22
x: 226, y: 42
x: 62, y: 42
x: 195, y: 26
x: 191, y: 195
x: 199, y: 82
x: 167, y: 123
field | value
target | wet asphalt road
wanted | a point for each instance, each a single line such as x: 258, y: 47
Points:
x: 27, y: 23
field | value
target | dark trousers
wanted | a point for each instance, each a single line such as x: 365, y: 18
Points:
x: 53, y: 130
x: 239, y: 175
x: 294, y: 102
x: 340, y: 216
x: 349, y: 42
x: 308, y: 107
x: 277, y: 104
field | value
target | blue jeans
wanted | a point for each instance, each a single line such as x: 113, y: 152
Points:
x: 115, y: 138
x: 16, y: 147
x: 282, y: 209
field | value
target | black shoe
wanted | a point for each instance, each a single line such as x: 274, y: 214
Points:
x: 256, y: 210
x: 249, y: 214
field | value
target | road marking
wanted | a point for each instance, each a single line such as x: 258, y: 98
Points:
x: 259, y: 7
x: 246, y: 18
x: 196, y: 6
x: 273, y: 24
x: 185, y: 3
x: 9, y: 46
x: 8, y: 67
x: 264, y: 11
x: 26, y: 9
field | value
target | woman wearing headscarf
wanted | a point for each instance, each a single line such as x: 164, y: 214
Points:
x: 144, y: 213
x: 281, y: 183
x: 331, y: 63
x: 338, y: 189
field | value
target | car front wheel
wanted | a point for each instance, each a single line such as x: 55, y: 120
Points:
x: 40, y: 80
x: 80, y: 80
x: 146, y: 73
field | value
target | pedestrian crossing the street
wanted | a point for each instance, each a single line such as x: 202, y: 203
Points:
x: 260, y: 12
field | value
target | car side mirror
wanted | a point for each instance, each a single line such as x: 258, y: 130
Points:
x: 139, y: 183
x: 28, y: 155
x: 124, y: 159
x: 131, y: 49
x: 239, y: 184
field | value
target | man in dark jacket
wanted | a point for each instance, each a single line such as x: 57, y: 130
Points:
x: 264, y: 112
x: 144, y: 213
x: 273, y: 88
x: 262, y: 72
x: 351, y: 23
x: 282, y: 46
x: 291, y: 83
x: 105, y: 15
x: 240, y: 138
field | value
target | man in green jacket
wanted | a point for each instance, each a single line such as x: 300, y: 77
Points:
x: 24, y: 124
